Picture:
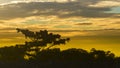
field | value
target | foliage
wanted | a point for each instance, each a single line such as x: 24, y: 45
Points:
x: 40, y: 40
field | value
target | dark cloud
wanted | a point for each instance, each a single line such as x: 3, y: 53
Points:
x: 102, y: 25
x: 64, y: 31
x: 101, y: 32
x: 108, y: 32
x: 84, y: 24
x: 61, y: 10
x: 7, y: 29
x: 1, y: 22
x: 116, y: 22
x: 117, y: 17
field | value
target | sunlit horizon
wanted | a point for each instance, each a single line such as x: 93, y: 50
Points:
x: 89, y: 23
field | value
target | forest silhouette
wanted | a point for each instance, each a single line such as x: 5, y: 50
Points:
x: 39, y: 52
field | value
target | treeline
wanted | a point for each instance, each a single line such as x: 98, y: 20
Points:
x: 53, y: 58
x: 19, y: 52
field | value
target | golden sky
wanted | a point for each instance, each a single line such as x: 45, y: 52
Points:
x: 94, y: 19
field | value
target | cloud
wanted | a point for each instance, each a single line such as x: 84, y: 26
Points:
x: 62, y: 26
x: 57, y: 15
x: 100, y: 32
x: 84, y: 24
x: 1, y: 22
x: 106, y: 4
x: 102, y: 25
x: 7, y: 29
x: 118, y: 22
x: 60, y: 10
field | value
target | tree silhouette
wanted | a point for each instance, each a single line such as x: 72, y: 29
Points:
x: 101, y: 55
x: 40, y: 40
x: 41, y: 55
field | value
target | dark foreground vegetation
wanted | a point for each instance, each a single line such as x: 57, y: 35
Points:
x: 13, y: 57
x: 37, y: 54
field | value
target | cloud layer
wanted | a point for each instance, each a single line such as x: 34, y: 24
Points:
x: 67, y: 15
x: 61, y: 10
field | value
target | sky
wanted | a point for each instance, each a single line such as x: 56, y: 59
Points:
x: 89, y: 23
